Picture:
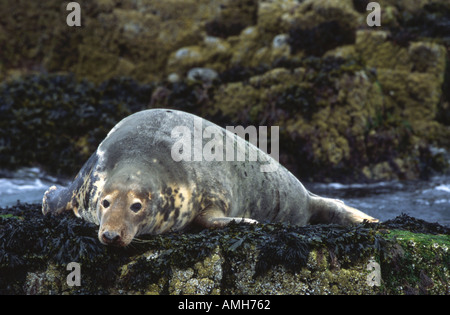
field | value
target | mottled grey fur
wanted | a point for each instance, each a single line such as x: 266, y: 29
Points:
x: 134, y: 164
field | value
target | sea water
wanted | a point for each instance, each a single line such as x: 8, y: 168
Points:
x: 428, y: 200
x: 25, y: 185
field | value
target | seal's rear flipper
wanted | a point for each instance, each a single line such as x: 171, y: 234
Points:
x: 355, y: 216
x: 327, y: 210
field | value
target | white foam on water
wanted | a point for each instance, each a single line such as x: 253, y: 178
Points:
x: 443, y: 187
x: 13, y: 186
x: 393, y: 184
x: 26, y: 185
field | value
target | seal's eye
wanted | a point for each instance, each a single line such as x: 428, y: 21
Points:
x: 105, y: 203
x: 135, y: 207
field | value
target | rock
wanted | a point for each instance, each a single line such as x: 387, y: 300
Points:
x: 245, y: 46
x: 428, y: 57
x: 411, y: 256
x: 421, y: 93
x: 204, y: 278
x: 377, y: 51
x: 346, y: 96
x: 279, y: 41
x: 185, y: 58
x: 233, y: 17
x: 318, y: 26
x: 173, y: 78
x: 202, y: 74
x: 272, y: 14
x: 311, y: 13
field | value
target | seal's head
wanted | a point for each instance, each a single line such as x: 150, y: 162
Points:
x: 123, y: 205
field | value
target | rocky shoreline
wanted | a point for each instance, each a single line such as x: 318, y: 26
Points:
x: 412, y: 256
x: 354, y: 103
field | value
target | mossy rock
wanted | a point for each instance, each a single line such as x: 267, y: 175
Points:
x: 352, y: 102
x: 115, y: 39
x: 333, y: 113
x: 232, y: 18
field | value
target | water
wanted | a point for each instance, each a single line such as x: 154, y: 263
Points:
x: 427, y: 200
x: 26, y: 185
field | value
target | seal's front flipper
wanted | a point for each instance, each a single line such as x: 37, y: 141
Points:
x: 56, y: 200
x: 214, y: 217
x: 221, y: 222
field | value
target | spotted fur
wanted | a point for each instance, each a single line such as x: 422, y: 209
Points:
x: 132, y: 186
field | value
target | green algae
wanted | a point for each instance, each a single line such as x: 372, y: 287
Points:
x: 420, y: 238
x: 10, y: 216
x: 416, y: 262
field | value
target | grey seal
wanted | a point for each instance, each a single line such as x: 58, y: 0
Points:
x: 137, y: 182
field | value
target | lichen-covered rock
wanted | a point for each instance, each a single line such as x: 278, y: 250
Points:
x: 232, y: 17
x: 401, y: 256
x: 203, y: 278
x: 353, y: 102
x: 411, y: 78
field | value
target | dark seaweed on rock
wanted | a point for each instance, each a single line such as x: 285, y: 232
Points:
x: 321, y: 73
x: 57, y: 120
x: 360, y: 5
x: 289, y: 249
x: 406, y: 222
x: 318, y: 40
x: 29, y: 241
x: 433, y: 22
x: 238, y: 73
x: 233, y: 18
x: 30, y: 234
x: 290, y: 246
x: 220, y: 29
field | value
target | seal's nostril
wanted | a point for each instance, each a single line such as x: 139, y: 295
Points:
x: 110, y: 237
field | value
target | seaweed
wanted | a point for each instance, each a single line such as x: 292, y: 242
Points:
x: 57, y: 121
x: 430, y: 22
x: 360, y: 5
x: 237, y: 73
x: 408, y: 223
x: 30, y: 241
x: 317, y: 40
x: 287, y: 248
x: 220, y: 29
